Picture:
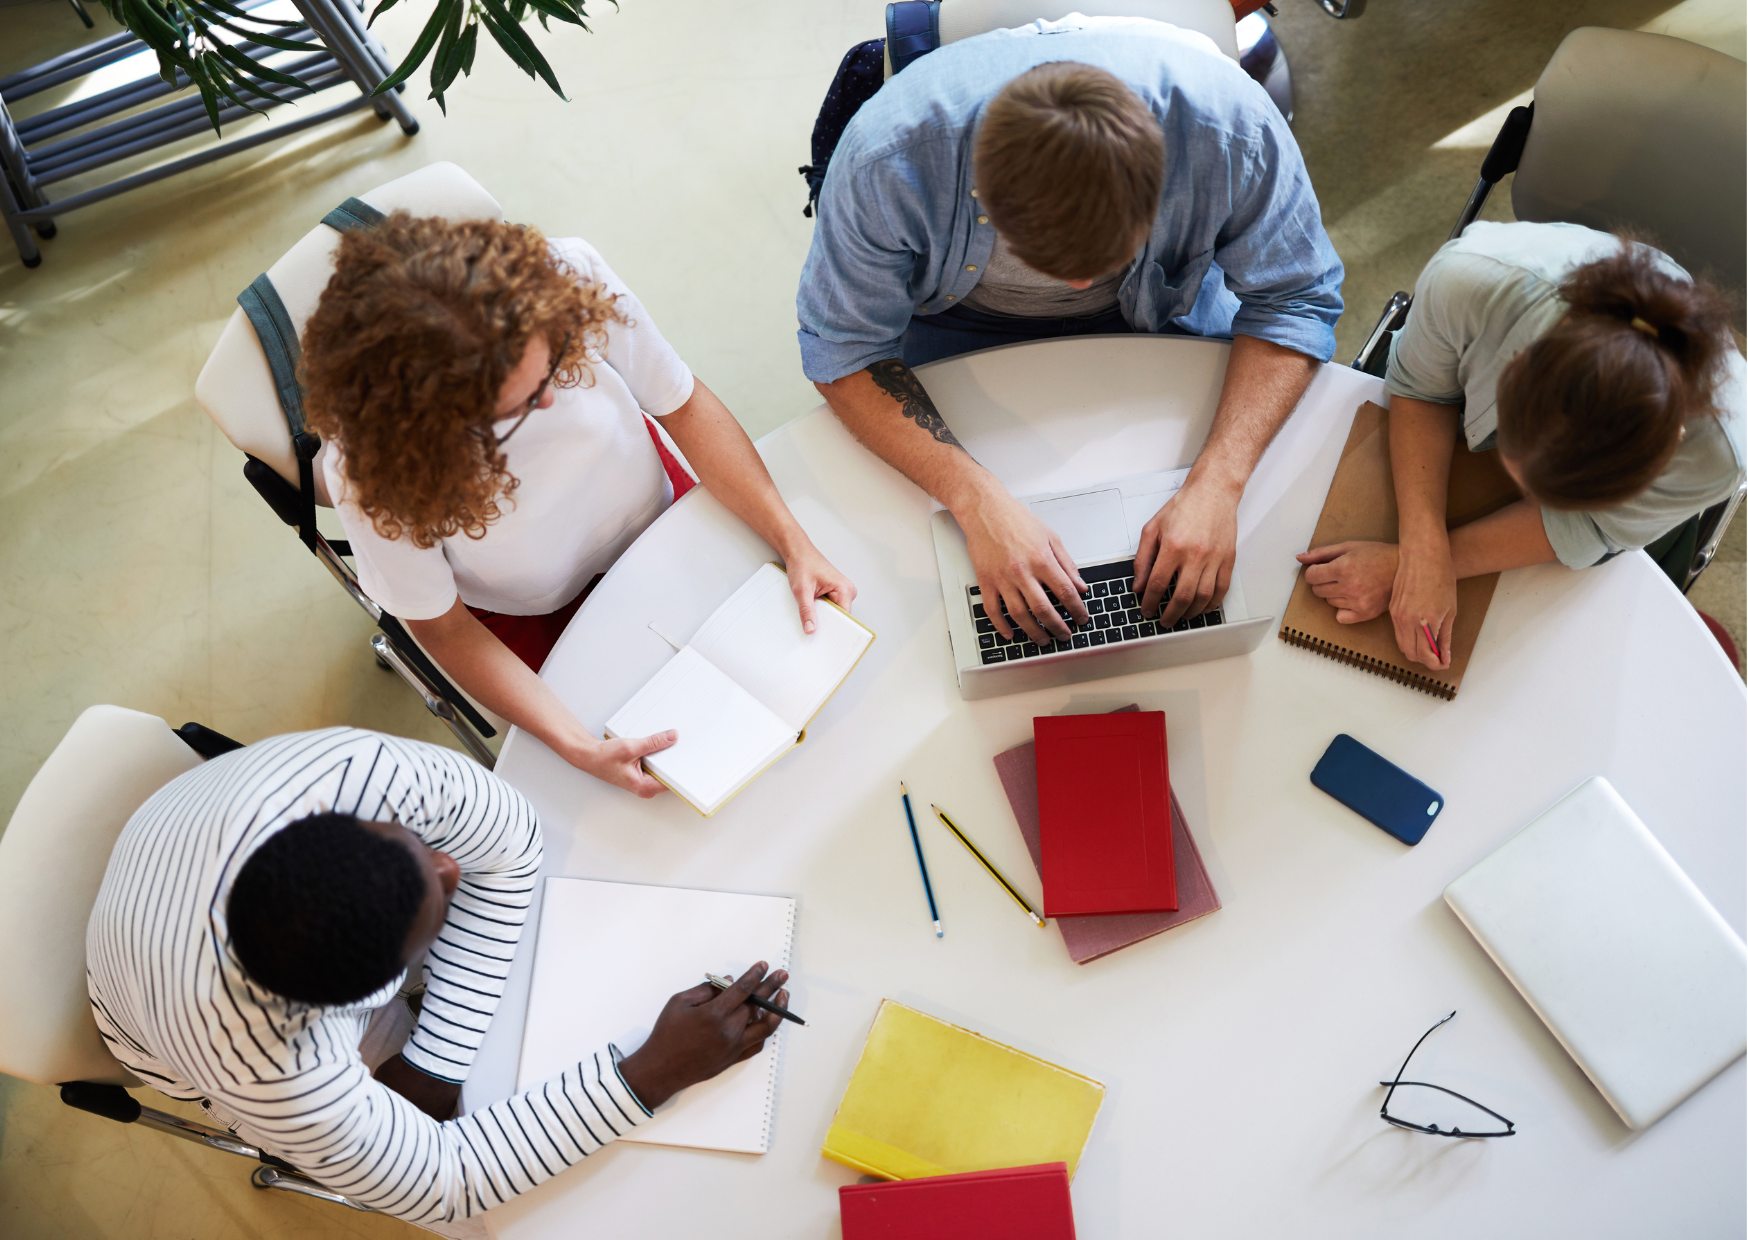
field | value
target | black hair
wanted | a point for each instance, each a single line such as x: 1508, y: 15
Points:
x: 321, y: 911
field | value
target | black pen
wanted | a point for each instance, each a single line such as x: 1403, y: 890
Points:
x: 723, y: 983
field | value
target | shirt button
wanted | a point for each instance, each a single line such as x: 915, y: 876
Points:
x: 974, y: 193
x: 971, y: 266
x: 949, y: 297
x: 983, y: 219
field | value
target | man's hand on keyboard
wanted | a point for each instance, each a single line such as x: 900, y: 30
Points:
x: 1017, y: 559
x: 1193, y: 538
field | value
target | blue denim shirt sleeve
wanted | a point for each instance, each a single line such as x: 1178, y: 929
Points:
x: 859, y: 284
x: 1238, y: 245
x: 1274, y: 252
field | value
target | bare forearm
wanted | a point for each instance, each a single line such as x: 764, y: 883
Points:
x: 1422, y: 438
x: 889, y: 411
x: 730, y: 468
x: 497, y: 679
x: 1264, y: 381
x: 1513, y: 537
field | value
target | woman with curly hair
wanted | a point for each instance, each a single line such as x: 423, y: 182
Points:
x: 483, y: 397
x: 1605, y: 376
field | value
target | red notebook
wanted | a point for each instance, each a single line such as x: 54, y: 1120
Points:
x: 1015, y: 1203
x: 1090, y: 938
x: 1104, y: 814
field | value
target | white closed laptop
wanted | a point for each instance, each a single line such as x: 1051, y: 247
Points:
x: 1101, y: 528
x: 1628, y: 965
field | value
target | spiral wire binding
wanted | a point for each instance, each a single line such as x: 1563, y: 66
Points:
x: 1366, y: 663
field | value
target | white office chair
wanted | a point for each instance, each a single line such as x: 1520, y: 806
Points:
x: 1627, y: 130
x: 52, y: 860
x: 962, y: 19
x: 237, y: 389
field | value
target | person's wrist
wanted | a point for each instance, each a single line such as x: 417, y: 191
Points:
x: 1219, y: 478
x: 791, y: 543
x: 650, y: 1080
x: 969, y: 491
x: 1424, y: 538
x: 579, y: 748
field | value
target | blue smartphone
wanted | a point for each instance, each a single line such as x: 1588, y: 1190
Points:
x: 1377, y: 789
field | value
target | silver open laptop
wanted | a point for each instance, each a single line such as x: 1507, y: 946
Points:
x: 1101, y: 527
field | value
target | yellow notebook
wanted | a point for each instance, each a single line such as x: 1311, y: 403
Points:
x: 929, y: 1098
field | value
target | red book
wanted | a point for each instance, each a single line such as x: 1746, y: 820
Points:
x: 1104, y: 814
x: 1014, y: 1203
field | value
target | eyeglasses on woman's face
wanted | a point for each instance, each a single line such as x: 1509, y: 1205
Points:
x: 521, y: 412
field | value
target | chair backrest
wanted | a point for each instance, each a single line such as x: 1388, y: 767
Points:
x: 961, y: 19
x: 235, y: 386
x: 52, y: 860
x: 1647, y: 132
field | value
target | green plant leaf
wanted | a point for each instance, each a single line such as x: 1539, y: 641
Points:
x: 421, y: 46
x: 379, y: 10
x: 469, y: 39
x: 225, y: 6
x: 242, y: 61
x: 219, y: 80
x: 261, y: 36
x: 555, y: 8
x: 210, y: 99
x: 446, y: 63
x: 519, y: 37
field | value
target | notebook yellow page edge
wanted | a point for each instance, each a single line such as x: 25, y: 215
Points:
x: 873, y: 1156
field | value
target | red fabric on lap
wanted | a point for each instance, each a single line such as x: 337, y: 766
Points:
x: 531, y: 638
x: 682, y: 481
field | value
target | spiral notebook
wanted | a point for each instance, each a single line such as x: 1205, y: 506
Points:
x: 609, y: 955
x: 1362, y: 505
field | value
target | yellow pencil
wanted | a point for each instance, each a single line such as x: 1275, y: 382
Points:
x: 984, y: 861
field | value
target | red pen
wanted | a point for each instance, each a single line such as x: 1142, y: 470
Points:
x: 1431, y: 641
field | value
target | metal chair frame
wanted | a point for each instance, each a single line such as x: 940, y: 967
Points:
x: 115, y: 1103
x: 1502, y: 159
x: 33, y: 154
x: 393, y: 645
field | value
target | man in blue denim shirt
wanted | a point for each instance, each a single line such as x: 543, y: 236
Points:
x: 1090, y: 175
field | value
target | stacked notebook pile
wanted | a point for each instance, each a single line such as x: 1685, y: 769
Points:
x: 1092, y: 796
x: 984, y: 1137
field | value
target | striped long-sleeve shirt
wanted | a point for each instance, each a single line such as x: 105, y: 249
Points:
x: 175, y: 1006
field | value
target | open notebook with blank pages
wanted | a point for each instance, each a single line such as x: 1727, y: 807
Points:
x: 1622, y: 957
x: 742, y: 691
x: 609, y: 955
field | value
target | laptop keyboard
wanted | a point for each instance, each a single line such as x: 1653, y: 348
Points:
x: 1115, y: 617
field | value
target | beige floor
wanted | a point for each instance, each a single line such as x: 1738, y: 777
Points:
x: 140, y: 569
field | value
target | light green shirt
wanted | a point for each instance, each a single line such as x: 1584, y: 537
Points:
x: 1493, y: 292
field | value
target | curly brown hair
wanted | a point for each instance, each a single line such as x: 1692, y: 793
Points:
x: 405, y: 356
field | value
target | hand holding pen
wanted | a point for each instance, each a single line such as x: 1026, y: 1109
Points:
x: 703, y: 1031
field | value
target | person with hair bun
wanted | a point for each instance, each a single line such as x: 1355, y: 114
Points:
x: 1605, y: 376
x: 488, y: 401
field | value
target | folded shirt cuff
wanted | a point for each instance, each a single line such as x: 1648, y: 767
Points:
x: 1312, y: 337
x: 444, y: 1069
x: 615, y: 1054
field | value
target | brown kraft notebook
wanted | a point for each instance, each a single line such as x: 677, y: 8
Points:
x: 1362, y: 505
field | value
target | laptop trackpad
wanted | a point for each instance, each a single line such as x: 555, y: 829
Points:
x: 1090, y: 524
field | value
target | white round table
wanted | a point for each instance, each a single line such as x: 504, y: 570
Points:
x: 1241, y: 1053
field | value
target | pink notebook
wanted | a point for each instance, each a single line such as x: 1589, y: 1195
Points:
x: 1088, y: 938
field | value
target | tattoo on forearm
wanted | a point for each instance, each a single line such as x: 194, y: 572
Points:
x: 900, y: 382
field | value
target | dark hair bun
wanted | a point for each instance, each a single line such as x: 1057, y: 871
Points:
x: 1592, y: 412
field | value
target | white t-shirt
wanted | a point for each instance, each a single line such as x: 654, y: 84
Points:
x: 590, y: 483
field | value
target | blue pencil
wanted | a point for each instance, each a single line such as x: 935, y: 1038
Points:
x: 920, y: 864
